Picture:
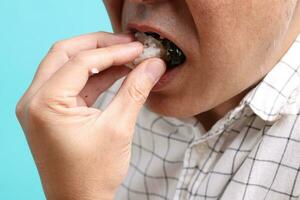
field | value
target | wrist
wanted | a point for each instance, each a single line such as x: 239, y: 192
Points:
x: 61, y: 189
x: 80, y: 194
x: 98, y: 196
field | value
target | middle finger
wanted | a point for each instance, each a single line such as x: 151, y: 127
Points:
x: 69, y: 81
x: 62, y: 51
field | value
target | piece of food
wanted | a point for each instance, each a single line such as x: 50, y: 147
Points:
x: 152, y: 48
x: 155, y: 46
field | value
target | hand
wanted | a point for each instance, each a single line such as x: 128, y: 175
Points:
x: 82, y: 152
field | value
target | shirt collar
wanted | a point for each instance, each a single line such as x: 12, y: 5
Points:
x: 271, y: 95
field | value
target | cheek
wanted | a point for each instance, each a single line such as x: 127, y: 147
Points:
x: 236, y: 38
x: 238, y: 32
x: 114, y: 9
x: 253, y: 17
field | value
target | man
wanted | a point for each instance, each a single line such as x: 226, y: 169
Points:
x: 251, y: 153
x: 233, y: 128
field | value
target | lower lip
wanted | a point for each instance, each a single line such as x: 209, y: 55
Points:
x: 166, y: 79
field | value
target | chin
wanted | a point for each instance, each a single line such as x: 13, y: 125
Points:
x: 171, y: 107
x: 162, y: 106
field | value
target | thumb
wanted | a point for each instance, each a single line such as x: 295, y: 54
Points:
x: 135, y: 90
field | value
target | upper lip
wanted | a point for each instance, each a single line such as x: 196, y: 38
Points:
x: 147, y: 28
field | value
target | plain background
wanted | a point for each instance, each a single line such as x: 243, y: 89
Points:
x: 27, y: 30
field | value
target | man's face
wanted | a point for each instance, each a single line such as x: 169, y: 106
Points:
x: 230, y: 45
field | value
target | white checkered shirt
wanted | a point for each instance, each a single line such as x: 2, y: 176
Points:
x: 251, y: 153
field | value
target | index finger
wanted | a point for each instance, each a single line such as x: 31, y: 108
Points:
x: 62, y: 51
x: 72, y: 46
x: 73, y: 76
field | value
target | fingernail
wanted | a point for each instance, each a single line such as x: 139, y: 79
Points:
x: 155, y: 69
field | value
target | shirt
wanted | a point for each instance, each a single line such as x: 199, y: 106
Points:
x: 253, y: 152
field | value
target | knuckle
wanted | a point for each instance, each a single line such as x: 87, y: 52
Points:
x: 79, y: 58
x: 108, y: 51
x: 34, y: 108
x: 59, y: 46
x: 137, y: 94
x: 19, y: 109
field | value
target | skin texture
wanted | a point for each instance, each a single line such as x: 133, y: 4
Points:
x: 79, y: 151
x: 231, y: 46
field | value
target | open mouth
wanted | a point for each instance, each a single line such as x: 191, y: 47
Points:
x: 160, y: 47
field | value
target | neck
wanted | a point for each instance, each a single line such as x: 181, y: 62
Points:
x: 209, y: 118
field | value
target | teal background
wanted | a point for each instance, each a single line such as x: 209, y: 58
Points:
x: 27, y: 30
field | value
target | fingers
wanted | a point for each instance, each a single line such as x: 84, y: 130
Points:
x: 62, y: 51
x: 134, y: 92
x: 70, y: 79
x: 101, y: 82
x: 72, y: 46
